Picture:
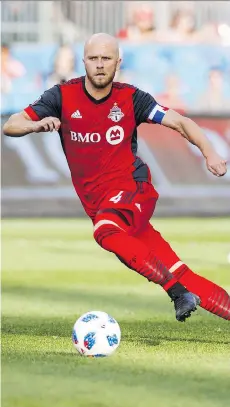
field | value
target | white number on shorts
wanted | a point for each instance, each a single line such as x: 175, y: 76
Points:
x: 117, y: 198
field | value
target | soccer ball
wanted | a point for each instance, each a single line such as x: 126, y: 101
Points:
x: 96, y: 334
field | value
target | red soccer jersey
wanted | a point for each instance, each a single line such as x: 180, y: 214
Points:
x: 99, y: 137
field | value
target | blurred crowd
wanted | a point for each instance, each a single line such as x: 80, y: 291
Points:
x: 182, y: 28
x: 185, y: 67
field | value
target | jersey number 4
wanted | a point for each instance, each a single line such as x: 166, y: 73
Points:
x: 117, y: 197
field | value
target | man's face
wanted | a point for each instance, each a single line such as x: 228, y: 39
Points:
x: 101, y: 62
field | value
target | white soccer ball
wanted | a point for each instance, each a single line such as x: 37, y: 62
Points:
x: 96, y: 334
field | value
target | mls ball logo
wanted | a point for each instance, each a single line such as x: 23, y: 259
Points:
x: 115, y: 135
x: 115, y: 113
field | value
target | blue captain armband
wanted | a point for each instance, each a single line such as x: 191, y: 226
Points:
x: 156, y: 114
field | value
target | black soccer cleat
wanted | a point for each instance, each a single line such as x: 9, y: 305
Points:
x: 185, y: 304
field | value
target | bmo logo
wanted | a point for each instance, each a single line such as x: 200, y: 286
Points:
x: 115, y: 135
x: 85, y: 138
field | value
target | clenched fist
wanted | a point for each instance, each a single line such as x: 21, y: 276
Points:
x: 46, y: 124
x: 216, y: 164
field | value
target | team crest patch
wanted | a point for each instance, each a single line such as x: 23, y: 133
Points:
x: 115, y: 113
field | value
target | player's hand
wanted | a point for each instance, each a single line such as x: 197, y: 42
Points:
x: 46, y: 124
x: 216, y: 164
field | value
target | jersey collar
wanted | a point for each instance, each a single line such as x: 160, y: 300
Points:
x: 96, y: 101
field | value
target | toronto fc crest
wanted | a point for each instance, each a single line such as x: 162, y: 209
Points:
x: 115, y: 113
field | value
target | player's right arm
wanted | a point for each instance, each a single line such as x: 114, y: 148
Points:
x: 20, y: 124
x: 42, y: 116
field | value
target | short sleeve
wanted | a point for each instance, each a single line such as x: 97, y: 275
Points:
x: 146, y: 109
x: 49, y: 104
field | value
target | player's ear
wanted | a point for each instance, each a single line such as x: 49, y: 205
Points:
x: 118, y: 64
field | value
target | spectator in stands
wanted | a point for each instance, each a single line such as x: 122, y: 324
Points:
x: 10, y: 68
x: 182, y: 28
x: 214, y: 99
x: 142, y: 26
x: 208, y: 33
x: 64, y: 67
x: 173, y: 94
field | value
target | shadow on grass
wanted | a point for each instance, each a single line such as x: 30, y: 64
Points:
x: 99, y: 297
x: 154, y: 332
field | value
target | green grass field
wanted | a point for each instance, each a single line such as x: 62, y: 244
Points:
x: 53, y: 271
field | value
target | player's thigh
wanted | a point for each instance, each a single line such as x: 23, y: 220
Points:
x: 134, y: 207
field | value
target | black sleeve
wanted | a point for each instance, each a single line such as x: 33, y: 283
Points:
x: 143, y: 104
x: 49, y: 104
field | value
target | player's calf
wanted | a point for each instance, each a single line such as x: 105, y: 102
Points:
x: 213, y: 297
x: 111, y: 234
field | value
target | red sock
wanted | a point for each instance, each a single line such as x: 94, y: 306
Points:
x: 134, y: 254
x: 213, y: 298
x: 162, y: 249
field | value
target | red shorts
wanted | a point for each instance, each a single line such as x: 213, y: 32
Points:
x: 137, y: 205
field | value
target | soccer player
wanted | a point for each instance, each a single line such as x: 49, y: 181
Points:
x: 97, y: 121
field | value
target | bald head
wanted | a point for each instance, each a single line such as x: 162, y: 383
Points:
x: 101, y: 59
x: 101, y: 40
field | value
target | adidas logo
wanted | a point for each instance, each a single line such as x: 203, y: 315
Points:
x: 76, y: 115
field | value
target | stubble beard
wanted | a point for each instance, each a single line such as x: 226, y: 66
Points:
x: 103, y: 84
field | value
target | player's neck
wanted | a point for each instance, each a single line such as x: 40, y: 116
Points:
x: 95, y: 92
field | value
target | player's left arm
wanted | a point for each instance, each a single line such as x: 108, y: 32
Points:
x: 194, y: 134
x: 146, y: 109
